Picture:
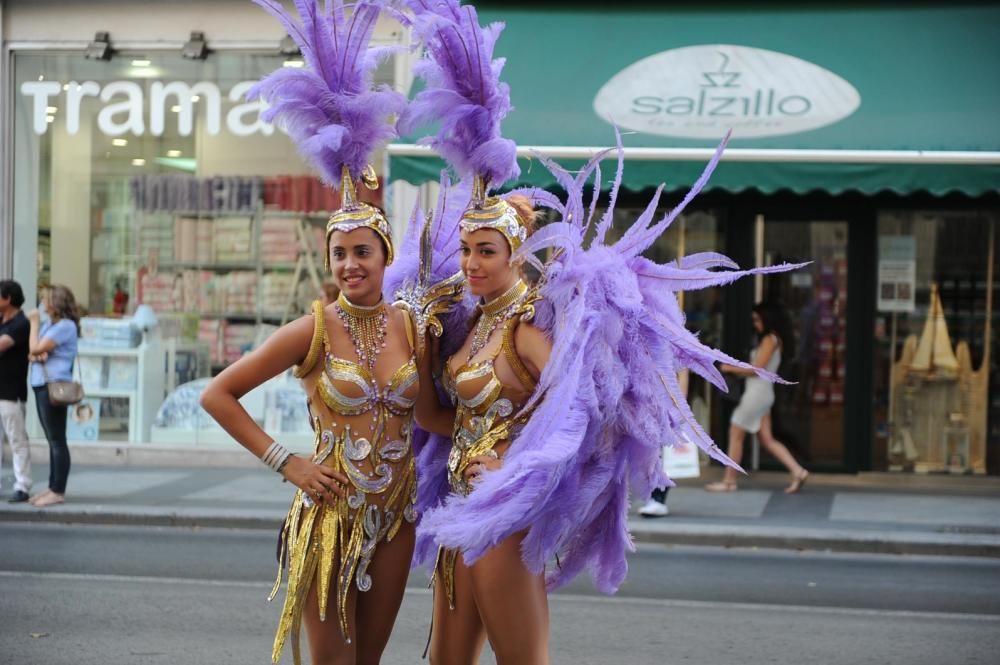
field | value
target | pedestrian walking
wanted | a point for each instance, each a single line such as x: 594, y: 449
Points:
x: 15, y: 331
x: 52, y: 349
x: 753, y: 413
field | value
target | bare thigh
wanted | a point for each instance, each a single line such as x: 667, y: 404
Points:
x: 327, y: 645
x: 458, y: 635
x: 377, y: 608
x: 513, y: 605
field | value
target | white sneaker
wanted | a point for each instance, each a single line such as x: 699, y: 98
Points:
x: 654, y: 508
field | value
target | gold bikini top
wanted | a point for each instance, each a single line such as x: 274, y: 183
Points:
x: 479, y: 399
x: 349, y: 388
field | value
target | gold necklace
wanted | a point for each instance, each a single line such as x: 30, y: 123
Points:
x: 493, y: 313
x: 366, y: 326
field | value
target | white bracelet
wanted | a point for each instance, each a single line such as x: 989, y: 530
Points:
x: 276, y: 456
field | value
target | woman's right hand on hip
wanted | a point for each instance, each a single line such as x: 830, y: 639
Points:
x: 321, y: 483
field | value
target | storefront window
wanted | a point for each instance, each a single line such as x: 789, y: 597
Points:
x: 937, y: 396
x: 149, y: 180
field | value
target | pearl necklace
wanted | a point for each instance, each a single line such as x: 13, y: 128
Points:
x: 366, y: 326
x: 493, y: 313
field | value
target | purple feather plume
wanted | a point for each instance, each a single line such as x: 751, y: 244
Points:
x: 464, y: 92
x: 330, y: 108
x: 607, y: 399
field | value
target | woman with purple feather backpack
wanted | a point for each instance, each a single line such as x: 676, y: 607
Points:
x: 561, y: 393
x: 348, y: 539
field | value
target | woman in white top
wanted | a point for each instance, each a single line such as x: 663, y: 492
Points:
x: 753, y: 413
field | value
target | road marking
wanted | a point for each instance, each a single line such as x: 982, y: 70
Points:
x: 557, y: 598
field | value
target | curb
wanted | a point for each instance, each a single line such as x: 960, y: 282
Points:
x: 729, y: 536
x: 833, y: 540
x: 147, y: 516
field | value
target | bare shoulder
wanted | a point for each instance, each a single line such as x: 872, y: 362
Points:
x: 296, y: 334
x: 400, y: 312
x: 528, y: 334
x: 533, y: 346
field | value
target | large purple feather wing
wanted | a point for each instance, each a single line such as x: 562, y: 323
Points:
x: 606, y: 402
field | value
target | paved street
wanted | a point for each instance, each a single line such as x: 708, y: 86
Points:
x: 101, y: 594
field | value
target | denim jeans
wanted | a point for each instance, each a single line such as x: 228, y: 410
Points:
x: 53, y: 419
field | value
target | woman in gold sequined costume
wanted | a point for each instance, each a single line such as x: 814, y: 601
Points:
x: 349, y: 535
x: 489, y: 379
x: 350, y: 526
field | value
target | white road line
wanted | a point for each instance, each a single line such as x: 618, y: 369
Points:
x: 558, y: 598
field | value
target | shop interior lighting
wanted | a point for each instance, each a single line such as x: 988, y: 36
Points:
x: 141, y: 63
x: 121, y: 143
x: 51, y: 109
x: 294, y: 63
x: 176, y: 108
x: 50, y: 118
x: 195, y: 47
x: 173, y: 153
x: 138, y: 161
x: 100, y: 48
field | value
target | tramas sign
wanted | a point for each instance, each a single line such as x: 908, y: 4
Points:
x: 702, y: 91
x: 124, y: 104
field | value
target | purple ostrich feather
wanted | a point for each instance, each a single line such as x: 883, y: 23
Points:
x: 330, y: 108
x: 464, y: 92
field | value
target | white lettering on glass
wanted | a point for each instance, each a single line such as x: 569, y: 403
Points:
x: 234, y: 119
x: 132, y: 106
x: 126, y: 112
x: 40, y: 91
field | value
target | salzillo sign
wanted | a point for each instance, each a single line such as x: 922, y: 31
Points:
x: 702, y: 91
x: 125, y: 114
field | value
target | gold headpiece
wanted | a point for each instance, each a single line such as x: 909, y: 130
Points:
x: 354, y: 214
x: 493, y: 213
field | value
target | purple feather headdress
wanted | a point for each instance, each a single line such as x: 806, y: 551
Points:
x: 330, y: 108
x: 464, y: 92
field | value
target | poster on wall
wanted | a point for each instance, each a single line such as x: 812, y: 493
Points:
x: 897, y: 273
x: 84, y: 420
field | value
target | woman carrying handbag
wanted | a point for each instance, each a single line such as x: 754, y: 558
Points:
x: 52, y: 348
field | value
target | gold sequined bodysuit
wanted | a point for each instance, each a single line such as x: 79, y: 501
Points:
x: 363, y: 431
x: 488, y: 416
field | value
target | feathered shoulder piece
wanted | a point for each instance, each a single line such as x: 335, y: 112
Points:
x: 463, y: 91
x: 330, y: 107
x: 607, y: 399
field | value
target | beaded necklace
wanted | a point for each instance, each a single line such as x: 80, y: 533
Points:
x: 366, y: 326
x: 494, y: 313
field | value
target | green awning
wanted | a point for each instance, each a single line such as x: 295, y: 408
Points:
x: 833, y: 98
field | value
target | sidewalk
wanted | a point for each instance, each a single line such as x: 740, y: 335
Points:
x: 878, y: 513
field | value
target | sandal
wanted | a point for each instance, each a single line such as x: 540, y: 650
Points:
x: 797, y: 482
x: 721, y: 486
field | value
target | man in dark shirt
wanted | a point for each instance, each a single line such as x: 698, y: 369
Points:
x: 14, y: 333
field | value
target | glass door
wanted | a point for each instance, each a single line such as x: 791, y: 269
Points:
x: 809, y: 416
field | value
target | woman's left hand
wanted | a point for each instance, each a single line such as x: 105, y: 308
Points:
x: 478, y: 464
x: 33, y: 316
